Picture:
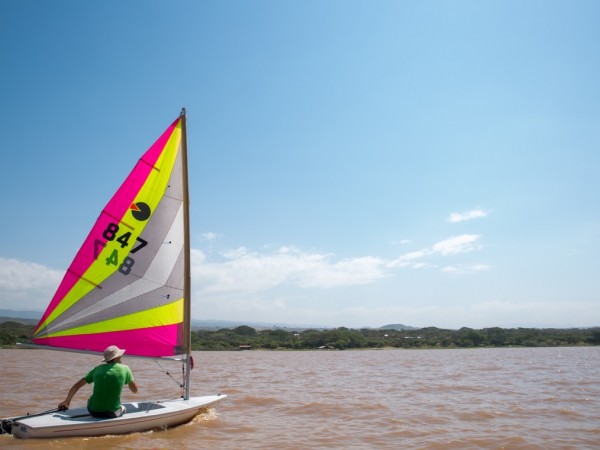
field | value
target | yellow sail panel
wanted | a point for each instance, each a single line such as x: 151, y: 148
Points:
x: 169, y: 314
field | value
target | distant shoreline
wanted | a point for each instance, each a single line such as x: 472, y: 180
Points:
x: 244, y: 338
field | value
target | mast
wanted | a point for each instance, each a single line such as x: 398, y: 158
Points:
x: 187, y: 284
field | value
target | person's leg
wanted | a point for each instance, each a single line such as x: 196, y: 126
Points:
x: 109, y: 414
x: 103, y: 414
x: 119, y: 412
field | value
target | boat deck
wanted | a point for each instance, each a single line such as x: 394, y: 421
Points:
x: 139, y: 416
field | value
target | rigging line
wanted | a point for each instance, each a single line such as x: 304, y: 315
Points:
x: 167, y: 372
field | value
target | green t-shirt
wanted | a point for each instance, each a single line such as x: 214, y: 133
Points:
x: 108, y: 380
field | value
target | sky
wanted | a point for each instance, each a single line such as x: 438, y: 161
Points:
x: 352, y: 163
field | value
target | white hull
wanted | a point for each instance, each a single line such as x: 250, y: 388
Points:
x: 142, y: 416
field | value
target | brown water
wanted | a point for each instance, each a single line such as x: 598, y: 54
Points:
x: 377, y: 399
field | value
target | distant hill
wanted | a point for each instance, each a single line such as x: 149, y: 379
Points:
x: 35, y: 315
x: 220, y: 324
x: 19, y: 320
x: 398, y: 326
x: 24, y: 317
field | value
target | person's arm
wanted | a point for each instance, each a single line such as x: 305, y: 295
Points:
x: 133, y: 387
x: 65, y: 405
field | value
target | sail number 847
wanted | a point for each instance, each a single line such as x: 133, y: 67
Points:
x: 111, y: 233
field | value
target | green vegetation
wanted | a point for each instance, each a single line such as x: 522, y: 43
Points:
x: 345, y: 338
x: 12, y: 332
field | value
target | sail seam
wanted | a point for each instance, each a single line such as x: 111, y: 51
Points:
x: 152, y: 166
x: 81, y: 277
x: 121, y: 222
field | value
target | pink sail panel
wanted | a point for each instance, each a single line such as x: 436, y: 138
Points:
x: 152, y: 342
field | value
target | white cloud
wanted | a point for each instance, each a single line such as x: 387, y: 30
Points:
x: 457, y: 244
x: 210, y: 236
x: 407, y: 259
x: 451, y: 246
x: 461, y: 217
x: 244, y: 270
x: 242, y: 273
x: 414, y: 255
x: 466, y: 268
x: 26, y: 285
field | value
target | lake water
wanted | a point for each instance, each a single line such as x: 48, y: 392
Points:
x: 510, y: 398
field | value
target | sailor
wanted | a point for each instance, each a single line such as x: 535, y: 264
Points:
x: 109, y: 379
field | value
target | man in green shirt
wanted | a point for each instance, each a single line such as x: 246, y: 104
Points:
x: 108, y: 379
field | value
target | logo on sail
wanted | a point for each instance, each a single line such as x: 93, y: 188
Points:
x: 140, y: 211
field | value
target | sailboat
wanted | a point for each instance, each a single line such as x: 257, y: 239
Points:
x: 129, y: 285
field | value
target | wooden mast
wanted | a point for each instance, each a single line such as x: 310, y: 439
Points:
x: 187, y: 283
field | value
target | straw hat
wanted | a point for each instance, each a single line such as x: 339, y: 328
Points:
x: 112, y: 352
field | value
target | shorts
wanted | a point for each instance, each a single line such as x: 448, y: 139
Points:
x: 108, y: 414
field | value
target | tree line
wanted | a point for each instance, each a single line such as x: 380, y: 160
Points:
x: 245, y: 337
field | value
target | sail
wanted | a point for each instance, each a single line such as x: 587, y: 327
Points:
x: 125, y: 286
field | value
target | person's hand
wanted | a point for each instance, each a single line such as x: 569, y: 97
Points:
x: 63, y: 406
